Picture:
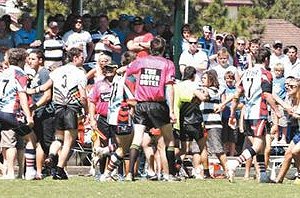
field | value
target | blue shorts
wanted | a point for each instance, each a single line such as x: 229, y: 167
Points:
x: 9, y: 121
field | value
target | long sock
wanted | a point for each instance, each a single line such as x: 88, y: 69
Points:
x: 134, y: 153
x: 30, y: 159
x: 246, y: 154
x: 261, y: 162
x: 171, y: 159
x: 102, y: 164
x: 206, y: 172
x: 114, y: 162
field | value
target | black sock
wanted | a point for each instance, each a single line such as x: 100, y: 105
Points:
x: 206, y: 172
x: 171, y: 160
x: 134, y: 153
x: 102, y: 164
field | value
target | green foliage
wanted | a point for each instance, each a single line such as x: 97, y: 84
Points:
x: 286, y: 9
x: 52, y: 7
x: 156, y: 8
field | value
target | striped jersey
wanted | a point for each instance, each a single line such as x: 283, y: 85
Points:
x: 66, y: 80
x: 210, y: 118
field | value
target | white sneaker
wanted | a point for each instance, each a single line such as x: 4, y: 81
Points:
x: 198, y: 174
x: 8, y: 177
x: 231, y: 170
x: 30, y: 175
x: 105, y: 177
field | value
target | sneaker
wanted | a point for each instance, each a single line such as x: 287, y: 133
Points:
x: 60, y: 174
x: 30, y: 175
x: 99, y: 151
x: 8, y: 177
x: 231, y: 170
x: 105, y: 177
x: 153, y: 177
x: 129, y: 177
x: 49, y: 162
x: 263, y: 178
x: 182, y: 173
x: 171, y: 178
x: 297, y: 181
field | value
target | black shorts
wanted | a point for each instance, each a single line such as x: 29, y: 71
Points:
x: 65, y: 119
x: 190, y: 132
x: 105, y: 129
x: 9, y: 121
x: 151, y: 114
x: 228, y: 134
x: 44, y: 128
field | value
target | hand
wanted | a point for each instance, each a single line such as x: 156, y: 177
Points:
x: 218, y: 108
x: 29, y: 121
x: 278, y: 113
x: 232, y: 122
x: 172, y: 118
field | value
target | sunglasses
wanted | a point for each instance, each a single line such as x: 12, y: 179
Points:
x: 241, y: 43
x: 193, y: 42
x: 229, y: 39
x: 78, y: 21
x: 292, y: 86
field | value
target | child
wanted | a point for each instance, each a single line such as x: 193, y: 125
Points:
x: 229, y: 135
x: 280, y: 91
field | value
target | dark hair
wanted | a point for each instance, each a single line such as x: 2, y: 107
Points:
x: 186, y: 27
x: 39, y: 54
x: 103, y: 16
x: 254, y: 41
x: 293, y: 47
x: 157, y: 46
x: 50, y: 19
x: 73, y: 52
x: 262, y: 54
x: 212, y: 78
x: 127, y: 57
x: 189, y: 73
x: 17, y: 56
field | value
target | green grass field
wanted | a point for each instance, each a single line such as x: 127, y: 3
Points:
x: 88, y: 187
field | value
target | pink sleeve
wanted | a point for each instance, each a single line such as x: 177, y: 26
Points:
x: 148, y: 37
x: 170, y: 73
x: 21, y: 79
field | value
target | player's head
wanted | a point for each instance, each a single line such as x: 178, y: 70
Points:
x: 189, y: 73
x: 157, y: 46
x: 75, y: 55
x: 16, y: 57
x: 263, y: 56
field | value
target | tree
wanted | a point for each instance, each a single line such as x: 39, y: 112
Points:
x: 286, y: 9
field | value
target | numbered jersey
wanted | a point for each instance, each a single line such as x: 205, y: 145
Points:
x: 12, y: 81
x: 66, y: 81
x: 255, y: 81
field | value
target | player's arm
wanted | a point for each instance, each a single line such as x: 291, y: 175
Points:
x: 43, y: 100
x: 44, y: 87
x: 202, y: 94
x: 170, y: 101
x: 24, y: 105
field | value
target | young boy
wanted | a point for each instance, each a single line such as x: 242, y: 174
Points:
x: 280, y: 91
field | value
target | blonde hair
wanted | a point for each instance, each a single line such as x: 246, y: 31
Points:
x: 279, y: 66
x: 223, y: 52
x: 104, y: 56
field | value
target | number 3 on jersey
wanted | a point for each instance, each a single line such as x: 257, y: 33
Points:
x: 3, y: 84
x: 64, y: 84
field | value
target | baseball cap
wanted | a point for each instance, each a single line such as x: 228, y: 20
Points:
x: 123, y: 17
x: 277, y: 43
x: 207, y: 28
x: 148, y: 20
x: 137, y: 21
x: 53, y: 24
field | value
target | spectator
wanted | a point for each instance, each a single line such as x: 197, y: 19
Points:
x: 293, y: 66
x: 6, y: 39
x: 139, y: 40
